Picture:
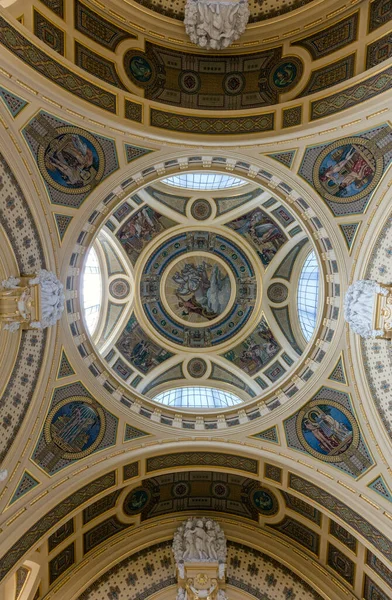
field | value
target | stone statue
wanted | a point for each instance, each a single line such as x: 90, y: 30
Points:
x: 35, y: 303
x: 215, y: 24
x: 181, y: 594
x: 359, y: 305
x: 199, y: 540
x: 3, y: 474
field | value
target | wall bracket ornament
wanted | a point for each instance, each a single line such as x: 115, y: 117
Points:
x: 199, y: 548
x: 215, y: 24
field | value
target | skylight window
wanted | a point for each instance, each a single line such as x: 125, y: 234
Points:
x: 308, y: 295
x: 197, y: 397
x: 204, y: 181
x: 92, y: 291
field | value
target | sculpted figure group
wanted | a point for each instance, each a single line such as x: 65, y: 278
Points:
x: 215, y: 24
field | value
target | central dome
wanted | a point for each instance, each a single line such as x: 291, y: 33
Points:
x: 203, y: 289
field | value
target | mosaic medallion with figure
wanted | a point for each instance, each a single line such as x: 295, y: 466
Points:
x: 198, y: 289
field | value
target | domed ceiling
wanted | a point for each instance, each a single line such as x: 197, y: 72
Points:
x: 201, y: 288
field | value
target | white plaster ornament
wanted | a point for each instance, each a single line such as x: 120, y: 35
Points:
x: 359, y: 303
x: 215, y: 24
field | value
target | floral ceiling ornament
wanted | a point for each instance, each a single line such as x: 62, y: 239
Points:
x: 215, y: 24
x: 368, y: 309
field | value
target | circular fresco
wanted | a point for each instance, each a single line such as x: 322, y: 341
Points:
x: 233, y: 84
x: 327, y: 430
x: 139, y: 68
x: 201, y: 210
x: 286, y: 74
x: 76, y: 426
x: 136, y: 501
x: 197, y: 367
x: 73, y: 161
x: 265, y: 501
x: 277, y: 292
x: 189, y: 82
x: 198, y: 289
x: 347, y: 170
x: 119, y: 288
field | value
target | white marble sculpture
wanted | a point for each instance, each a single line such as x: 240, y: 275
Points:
x: 3, y: 474
x: 199, y: 540
x: 215, y: 24
x: 20, y: 301
x: 359, y: 305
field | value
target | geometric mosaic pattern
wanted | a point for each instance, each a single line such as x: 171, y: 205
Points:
x: 340, y: 563
x: 134, y: 152
x: 62, y: 222
x: 285, y: 158
x: 269, y: 435
x: 379, y: 486
x: 47, y: 32
x: 12, y: 102
x: 339, y: 374
x: 349, y: 231
x: 65, y: 369
x: 26, y: 483
x: 131, y: 433
x: 299, y: 533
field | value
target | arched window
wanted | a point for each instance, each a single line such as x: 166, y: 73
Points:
x: 204, y: 181
x: 308, y: 294
x: 197, y: 397
x: 92, y: 291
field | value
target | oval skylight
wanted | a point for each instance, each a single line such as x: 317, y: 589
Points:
x: 92, y: 291
x: 197, y: 397
x: 204, y: 181
x: 308, y: 294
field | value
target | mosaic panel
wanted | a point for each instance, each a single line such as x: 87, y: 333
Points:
x: 97, y: 28
x: 182, y: 459
x: 140, y: 229
x: 379, y: 567
x: 378, y: 51
x: 344, y: 512
x: 277, y: 292
x: 173, y: 201
x: 196, y: 368
x: 353, y: 95
x: 349, y: 231
x: 376, y: 354
x: 201, y: 209
x: 371, y: 591
x: 57, y: 6
x: 133, y: 111
x: 172, y: 374
x: 131, y: 470
x: 54, y: 71
x: 76, y: 426
x: 132, y: 433
x: 61, y: 563
x: 100, y: 506
x: 273, y: 472
x: 61, y: 534
x: 219, y: 373
x: 332, y: 38
x: 113, y: 263
x: 292, y: 116
x: 211, y: 126
x: 97, y: 65
x: 339, y: 374
x: 48, y: 33
x: 226, y: 204
x: 285, y: 158
x: 379, y: 486
x: 102, y: 532
x: 262, y: 233
x: 283, y: 216
x: 380, y: 13
x: 268, y: 435
x: 140, y: 350
x: 122, y: 369
x: 330, y: 75
x: 51, y: 518
x: 326, y: 428
x: 134, y: 152
x: 256, y: 351
x: 299, y: 533
x: 285, y: 268
x: 346, y: 171
x: 71, y: 160
x: 13, y: 103
x: 282, y: 317
x: 341, y: 564
x: 344, y: 536
x: 303, y: 508
x: 27, y: 482
x: 65, y: 369
x: 21, y: 577
x: 113, y: 315
x: 62, y: 223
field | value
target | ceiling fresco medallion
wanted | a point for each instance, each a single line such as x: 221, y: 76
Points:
x: 198, y: 289
x: 348, y: 169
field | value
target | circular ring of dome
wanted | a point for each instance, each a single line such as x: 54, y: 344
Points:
x: 204, y: 181
x: 219, y: 325
x: 197, y: 397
